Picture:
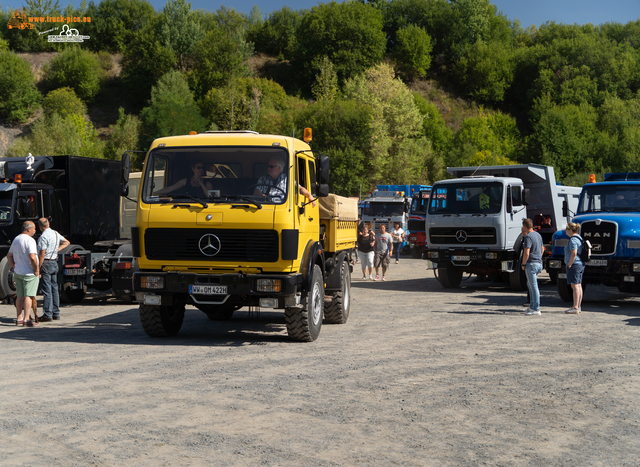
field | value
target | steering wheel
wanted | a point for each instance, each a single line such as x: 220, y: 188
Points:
x: 284, y: 193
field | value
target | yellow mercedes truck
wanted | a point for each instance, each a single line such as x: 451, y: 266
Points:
x: 233, y: 219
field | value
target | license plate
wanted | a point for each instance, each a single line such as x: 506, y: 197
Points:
x: 75, y: 272
x: 461, y: 258
x: 597, y: 262
x: 413, y: 239
x: 208, y: 289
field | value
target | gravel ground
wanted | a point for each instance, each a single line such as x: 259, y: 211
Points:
x: 418, y: 376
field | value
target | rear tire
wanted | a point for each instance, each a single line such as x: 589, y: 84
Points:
x: 337, y: 311
x: 7, y: 284
x: 304, y: 324
x: 161, y: 321
x: 450, y: 277
x: 69, y: 295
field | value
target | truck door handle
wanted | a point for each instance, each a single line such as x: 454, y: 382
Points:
x: 310, y: 219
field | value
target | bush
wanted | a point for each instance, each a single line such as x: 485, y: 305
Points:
x: 125, y: 136
x: 64, y: 102
x: 78, y: 69
x: 19, y: 98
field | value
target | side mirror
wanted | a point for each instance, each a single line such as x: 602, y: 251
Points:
x: 323, y: 190
x: 323, y: 170
x: 124, y: 174
x: 565, y: 208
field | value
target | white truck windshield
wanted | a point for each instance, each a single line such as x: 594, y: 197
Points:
x: 466, y: 198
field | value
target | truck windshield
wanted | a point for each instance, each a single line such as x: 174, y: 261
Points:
x: 466, y: 198
x: 384, y: 209
x: 419, y: 202
x: 6, y: 206
x: 609, y: 198
x: 216, y: 174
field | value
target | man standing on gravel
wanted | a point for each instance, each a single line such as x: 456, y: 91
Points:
x: 384, y: 249
x: 532, y: 264
x: 23, y: 260
x: 49, y: 243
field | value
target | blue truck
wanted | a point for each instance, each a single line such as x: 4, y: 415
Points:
x: 609, y: 216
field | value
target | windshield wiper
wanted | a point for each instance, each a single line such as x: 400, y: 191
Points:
x: 243, y: 198
x: 172, y: 197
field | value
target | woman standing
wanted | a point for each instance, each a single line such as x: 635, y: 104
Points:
x: 575, y: 266
x: 366, y: 241
x: 398, y: 237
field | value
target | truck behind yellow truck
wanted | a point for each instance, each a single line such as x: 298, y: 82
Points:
x: 215, y: 230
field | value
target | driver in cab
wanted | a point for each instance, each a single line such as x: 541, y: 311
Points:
x: 275, y: 182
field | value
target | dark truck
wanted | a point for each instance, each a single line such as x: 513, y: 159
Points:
x: 81, y: 198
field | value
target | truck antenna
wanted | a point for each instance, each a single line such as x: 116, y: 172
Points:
x: 474, y: 172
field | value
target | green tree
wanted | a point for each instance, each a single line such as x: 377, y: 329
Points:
x: 277, y: 35
x: 172, y: 110
x: 64, y: 102
x: 115, y: 22
x: 144, y: 61
x: 125, y: 136
x: 19, y: 98
x: 412, y: 52
x: 179, y: 29
x: 326, y: 84
x: 563, y: 137
x: 434, y: 127
x: 349, y: 34
x: 485, y: 71
x: 218, y: 59
x: 78, y: 69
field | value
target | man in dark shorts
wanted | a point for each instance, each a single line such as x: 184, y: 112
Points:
x: 384, y: 249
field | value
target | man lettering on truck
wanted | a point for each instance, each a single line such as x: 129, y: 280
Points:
x: 275, y: 182
x: 49, y: 244
x: 532, y: 264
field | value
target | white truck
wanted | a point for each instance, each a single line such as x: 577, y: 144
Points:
x: 474, y: 221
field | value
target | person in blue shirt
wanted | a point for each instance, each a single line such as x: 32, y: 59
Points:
x: 532, y: 265
x: 575, y: 266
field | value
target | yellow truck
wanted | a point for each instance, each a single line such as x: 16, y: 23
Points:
x: 233, y: 219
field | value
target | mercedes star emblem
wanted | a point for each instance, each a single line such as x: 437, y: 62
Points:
x: 209, y: 245
x: 461, y: 236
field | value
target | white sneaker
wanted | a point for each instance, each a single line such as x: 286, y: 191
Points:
x: 364, y: 277
x: 383, y: 278
x: 573, y: 311
x: 533, y: 312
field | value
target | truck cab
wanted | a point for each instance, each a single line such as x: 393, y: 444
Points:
x: 416, y: 235
x: 609, y: 216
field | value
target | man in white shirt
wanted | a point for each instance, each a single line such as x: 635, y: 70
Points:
x: 49, y: 244
x: 22, y: 258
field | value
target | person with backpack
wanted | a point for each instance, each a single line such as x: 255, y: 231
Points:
x: 575, y: 266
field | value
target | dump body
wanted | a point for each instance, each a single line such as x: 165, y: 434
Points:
x: 241, y: 237
x: 474, y: 222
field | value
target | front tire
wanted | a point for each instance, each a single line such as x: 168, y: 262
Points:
x: 304, y: 324
x: 565, y: 291
x: 337, y: 311
x: 450, y: 277
x: 161, y: 321
x: 70, y: 295
x: 518, y: 278
x: 7, y: 284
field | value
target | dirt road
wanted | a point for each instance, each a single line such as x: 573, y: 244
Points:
x: 418, y: 376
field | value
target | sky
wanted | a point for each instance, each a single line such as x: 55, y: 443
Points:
x: 529, y: 12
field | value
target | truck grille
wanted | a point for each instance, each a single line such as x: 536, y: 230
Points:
x: 603, y: 237
x: 416, y: 226
x: 235, y: 245
x: 461, y: 236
